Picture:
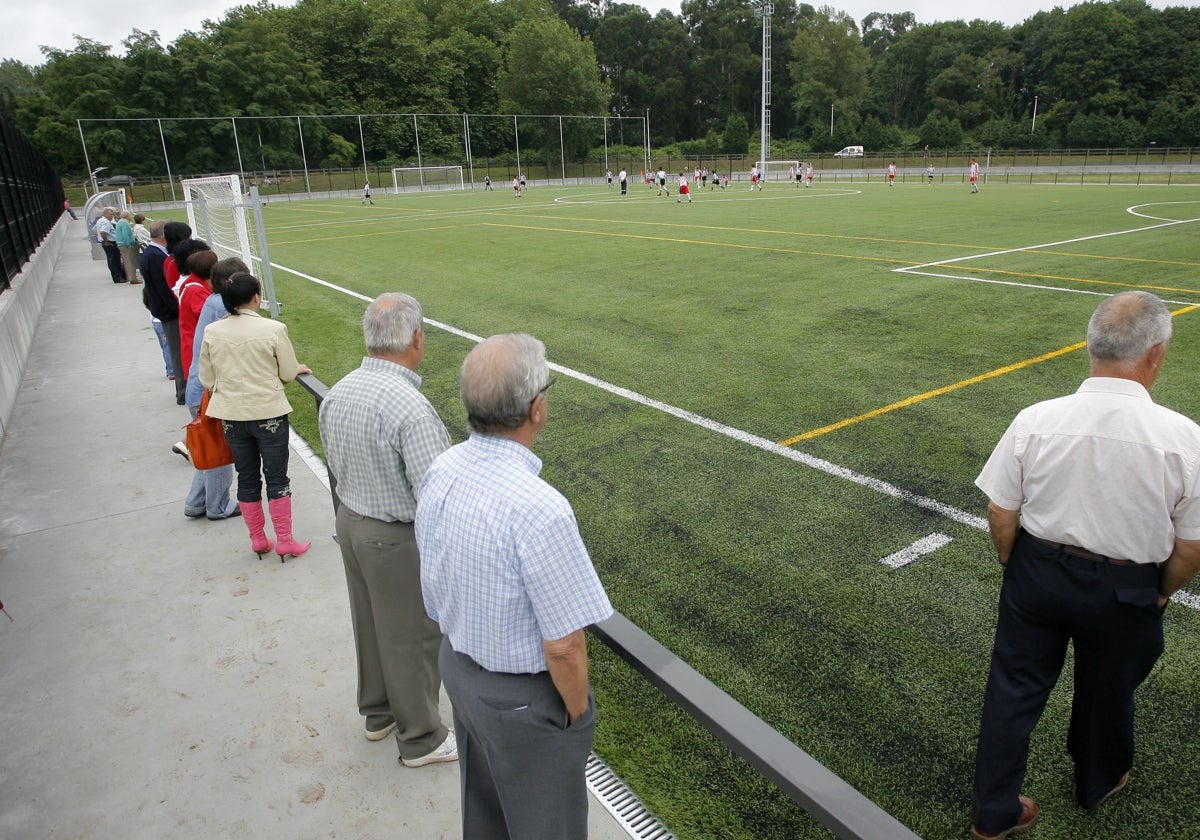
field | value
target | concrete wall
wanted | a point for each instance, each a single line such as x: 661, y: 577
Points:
x: 20, y: 310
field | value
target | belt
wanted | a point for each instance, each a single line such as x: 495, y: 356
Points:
x: 1076, y: 551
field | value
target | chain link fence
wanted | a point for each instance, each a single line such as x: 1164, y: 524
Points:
x: 31, y: 200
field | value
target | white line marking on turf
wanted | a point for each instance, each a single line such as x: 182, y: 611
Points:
x: 1187, y: 599
x: 883, y: 487
x: 914, y: 552
x: 949, y: 511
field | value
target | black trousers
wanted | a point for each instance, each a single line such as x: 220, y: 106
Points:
x: 1110, y: 614
x: 112, y: 254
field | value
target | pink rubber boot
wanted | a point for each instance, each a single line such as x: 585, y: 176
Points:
x: 256, y: 522
x: 281, y: 518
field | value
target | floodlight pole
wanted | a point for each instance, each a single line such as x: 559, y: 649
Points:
x: 1033, y: 125
x: 417, y: 139
x: 763, y: 9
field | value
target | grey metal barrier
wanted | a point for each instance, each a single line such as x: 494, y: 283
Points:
x: 839, y: 807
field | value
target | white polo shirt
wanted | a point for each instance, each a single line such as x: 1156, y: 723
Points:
x: 1104, y: 469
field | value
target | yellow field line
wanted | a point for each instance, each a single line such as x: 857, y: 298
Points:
x: 388, y: 232
x: 1188, y: 263
x: 1036, y: 276
x: 937, y: 392
x: 772, y: 231
x: 740, y: 245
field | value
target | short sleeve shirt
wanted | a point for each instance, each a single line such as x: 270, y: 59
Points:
x: 1105, y: 469
x: 503, y: 566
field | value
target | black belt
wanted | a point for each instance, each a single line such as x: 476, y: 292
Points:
x: 1076, y: 551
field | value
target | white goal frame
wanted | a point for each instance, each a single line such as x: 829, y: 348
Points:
x: 767, y: 167
x: 420, y: 171
x: 231, y: 222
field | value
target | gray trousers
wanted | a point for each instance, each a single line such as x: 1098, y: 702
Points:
x: 520, y: 765
x: 396, y: 641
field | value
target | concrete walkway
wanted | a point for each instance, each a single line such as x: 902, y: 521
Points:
x: 159, y: 679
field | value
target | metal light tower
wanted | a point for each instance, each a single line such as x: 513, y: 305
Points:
x: 763, y: 9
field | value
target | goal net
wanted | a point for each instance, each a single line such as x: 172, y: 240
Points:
x: 217, y: 213
x: 778, y: 170
x: 231, y: 223
x: 427, y: 178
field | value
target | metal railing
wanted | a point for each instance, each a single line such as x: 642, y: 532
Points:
x: 31, y: 200
x: 835, y: 804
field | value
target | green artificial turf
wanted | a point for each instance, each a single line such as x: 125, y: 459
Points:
x: 780, y: 314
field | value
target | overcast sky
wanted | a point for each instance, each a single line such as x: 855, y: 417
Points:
x: 53, y: 23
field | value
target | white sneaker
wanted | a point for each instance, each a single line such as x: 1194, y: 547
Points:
x: 180, y: 448
x: 448, y: 751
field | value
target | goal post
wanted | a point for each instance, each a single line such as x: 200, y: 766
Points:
x: 427, y: 178
x: 777, y: 170
x: 230, y: 221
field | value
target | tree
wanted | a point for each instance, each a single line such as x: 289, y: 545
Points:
x: 830, y: 68
x: 736, y: 140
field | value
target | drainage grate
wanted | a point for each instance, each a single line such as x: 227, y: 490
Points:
x: 622, y: 803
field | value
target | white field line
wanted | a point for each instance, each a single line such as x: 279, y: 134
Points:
x: 883, y: 487
x: 820, y: 464
x: 919, y: 269
x: 914, y: 552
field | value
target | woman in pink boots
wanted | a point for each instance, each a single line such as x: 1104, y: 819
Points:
x: 245, y: 360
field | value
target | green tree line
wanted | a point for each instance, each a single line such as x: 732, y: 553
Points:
x: 1101, y: 73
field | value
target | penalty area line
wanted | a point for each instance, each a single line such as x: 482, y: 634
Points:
x: 914, y: 552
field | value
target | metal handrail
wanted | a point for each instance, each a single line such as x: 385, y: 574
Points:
x: 835, y: 804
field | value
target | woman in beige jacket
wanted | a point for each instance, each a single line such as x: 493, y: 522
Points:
x: 245, y: 360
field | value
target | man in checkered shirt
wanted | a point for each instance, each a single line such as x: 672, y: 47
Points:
x: 380, y: 436
x: 506, y: 574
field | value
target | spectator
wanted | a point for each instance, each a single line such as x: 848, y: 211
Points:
x: 506, y: 574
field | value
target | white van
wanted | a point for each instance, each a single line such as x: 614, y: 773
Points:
x: 849, y: 151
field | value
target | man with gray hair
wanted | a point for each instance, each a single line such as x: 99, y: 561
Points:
x: 506, y: 574
x: 1094, y: 511
x: 380, y: 435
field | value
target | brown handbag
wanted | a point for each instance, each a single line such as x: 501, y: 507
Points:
x: 206, y: 439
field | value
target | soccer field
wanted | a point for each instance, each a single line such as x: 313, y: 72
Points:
x: 769, y: 413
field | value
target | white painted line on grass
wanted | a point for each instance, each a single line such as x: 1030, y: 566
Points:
x: 883, y: 487
x: 914, y: 552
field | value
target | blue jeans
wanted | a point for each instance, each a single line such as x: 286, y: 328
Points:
x: 260, y: 451
x: 162, y: 342
x: 209, y: 493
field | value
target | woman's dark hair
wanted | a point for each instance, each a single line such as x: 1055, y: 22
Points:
x: 174, y: 233
x: 239, y: 290
x: 184, y: 250
x: 222, y: 271
x: 200, y: 264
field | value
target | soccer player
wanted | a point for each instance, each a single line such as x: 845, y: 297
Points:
x: 808, y: 176
x: 367, y: 194
x: 608, y: 175
x: 487, y: 183
x: 516, y: 186
x: 929, y: 172
x: 683, y: 189
x: 891, y: 172
x: 974, y: 175
x: 754, y: 178
x: 662, y: 182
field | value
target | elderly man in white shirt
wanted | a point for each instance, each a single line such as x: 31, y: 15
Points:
x: 1094, y: 510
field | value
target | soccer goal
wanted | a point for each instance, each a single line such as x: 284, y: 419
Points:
x: 230, y: 221
x: 427, y: 178
x: 777, y: 170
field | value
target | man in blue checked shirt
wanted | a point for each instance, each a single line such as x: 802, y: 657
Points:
x: 506, y: 574
x: 380, y: 436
